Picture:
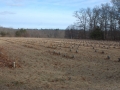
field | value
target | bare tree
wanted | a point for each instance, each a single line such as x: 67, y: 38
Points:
x: 71, y: 32
x: 81, y: 16
x: 116, y: 5
x: 96, y: 13
x: 104, y: 18
x: 90, y: 18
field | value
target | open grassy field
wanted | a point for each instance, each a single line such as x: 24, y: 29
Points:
x: 59, y: 64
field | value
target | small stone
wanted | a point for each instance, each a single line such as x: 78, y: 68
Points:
x: 118, y: 59
x: 108, y: 57
x: 64, y: 55
x: 76, y: 51
x: 73, y: 56
x: 59, y: 53
x: 102, y: 52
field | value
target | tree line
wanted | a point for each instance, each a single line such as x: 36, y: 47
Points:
x: 100, y: 22
x: 39, y: 33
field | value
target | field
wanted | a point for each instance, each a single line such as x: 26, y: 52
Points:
x: 59, y: 64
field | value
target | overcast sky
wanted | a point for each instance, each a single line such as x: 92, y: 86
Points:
x: 42, y: 13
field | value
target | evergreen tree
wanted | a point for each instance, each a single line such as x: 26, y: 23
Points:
x: 97, y: 34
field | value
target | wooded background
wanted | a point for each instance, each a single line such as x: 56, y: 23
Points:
x: 99, y: 23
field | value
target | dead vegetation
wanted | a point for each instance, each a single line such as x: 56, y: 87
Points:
x: 59, y: 64
x: 5, y: 61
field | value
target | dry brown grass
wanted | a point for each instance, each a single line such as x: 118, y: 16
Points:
x: 45, y: 64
